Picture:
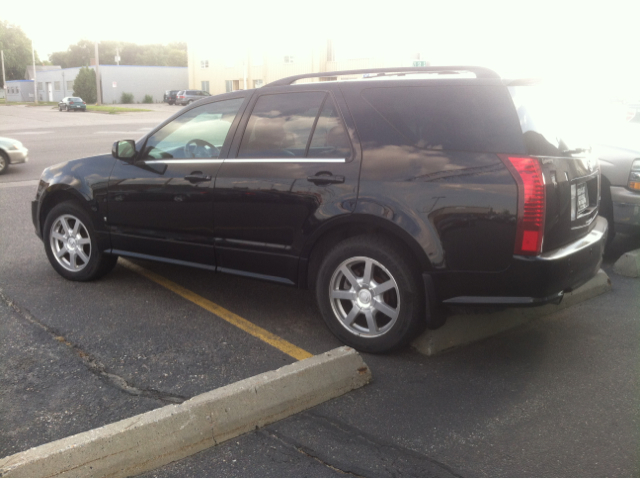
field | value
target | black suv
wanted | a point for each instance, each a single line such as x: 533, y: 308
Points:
x: 170, y: 96
x: 390, y: 196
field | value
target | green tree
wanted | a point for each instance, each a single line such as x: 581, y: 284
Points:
x: 17, y: 51
x: 80, y: 54
x: 84, y: 85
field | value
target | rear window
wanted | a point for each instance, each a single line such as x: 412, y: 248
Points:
x: 553, y: 122
x: 443, y: 117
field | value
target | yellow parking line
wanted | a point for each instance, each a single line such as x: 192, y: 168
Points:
x: 256, y: 331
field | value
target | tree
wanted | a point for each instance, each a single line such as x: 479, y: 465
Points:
x: 80, y: 54
x: 84, y: 85
x: 17, y: 51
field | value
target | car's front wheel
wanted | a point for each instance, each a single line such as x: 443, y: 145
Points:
x: 71, y: 246
x: 370, y: 294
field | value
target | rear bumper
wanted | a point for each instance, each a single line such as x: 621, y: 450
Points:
x: 20, y: 155
x: 529, y: 281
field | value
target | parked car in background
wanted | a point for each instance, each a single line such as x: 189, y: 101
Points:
x: 170, y: 96
x: 72, y: 103
x: 618, y: 150
x: 389, y: 196
x: 12, y: 152
x: 185, y: 97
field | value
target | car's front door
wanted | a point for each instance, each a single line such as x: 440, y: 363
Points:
x: 160, y: 205
x: 292, y: 169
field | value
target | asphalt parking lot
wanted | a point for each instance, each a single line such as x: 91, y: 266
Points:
x: 557, y: 397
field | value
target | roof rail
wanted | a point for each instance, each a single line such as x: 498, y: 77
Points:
x: 481, y: 72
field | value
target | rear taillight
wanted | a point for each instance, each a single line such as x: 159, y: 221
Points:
x: 70, y: 103
x: 531, y: 203
x: 634, y: 176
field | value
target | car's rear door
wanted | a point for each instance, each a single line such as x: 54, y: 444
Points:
x: 291, y: 168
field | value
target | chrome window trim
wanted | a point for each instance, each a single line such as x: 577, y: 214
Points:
x: 248, y: 160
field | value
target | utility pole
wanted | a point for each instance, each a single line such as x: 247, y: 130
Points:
x: 4, y: 83
x: 35, y: 80
x: 98, y: 90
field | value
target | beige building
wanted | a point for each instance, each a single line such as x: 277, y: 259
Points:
x: 220, y: 69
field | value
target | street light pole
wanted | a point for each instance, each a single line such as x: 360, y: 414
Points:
x: 35, y: 81
x: 4, y: 83
x: 98, y: 91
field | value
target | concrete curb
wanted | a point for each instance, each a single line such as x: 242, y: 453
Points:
x: 147, y: 441
x: 463, y: 329
x: 628, y: 264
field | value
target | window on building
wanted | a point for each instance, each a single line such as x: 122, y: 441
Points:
x: 70, y: 85
x: 288, y: 58
x: 257, y: 83
x: 204, y: 63
x: 39, y: 86
x: 236, y: 85
x: 228, y: 85
x: 205, y: 85
x: 56, y: 85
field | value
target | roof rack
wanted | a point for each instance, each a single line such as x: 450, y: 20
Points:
x: 481, y: 72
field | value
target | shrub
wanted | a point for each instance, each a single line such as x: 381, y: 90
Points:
x: 126, y: 98
x: 147, y: 99
x: 84, y: 85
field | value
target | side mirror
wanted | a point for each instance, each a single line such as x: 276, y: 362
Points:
x: 124, y: 150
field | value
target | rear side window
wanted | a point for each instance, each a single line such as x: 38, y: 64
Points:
x: 443, y: 117
x: 295, y: 125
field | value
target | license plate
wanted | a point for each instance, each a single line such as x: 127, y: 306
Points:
x: 582, y: 198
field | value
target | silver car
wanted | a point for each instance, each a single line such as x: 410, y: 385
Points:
x: 11, y: 152
x: 185, y: 97
x: 619, y: 153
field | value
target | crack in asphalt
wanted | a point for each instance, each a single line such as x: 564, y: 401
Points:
x: 91, y: 363
x: 401, y: 458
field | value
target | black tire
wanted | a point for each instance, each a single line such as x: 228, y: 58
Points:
x: 386, y: 309
x: 59, y: 108
x: 606, y: 210
x: 4, y: 162
x: 70, y: 242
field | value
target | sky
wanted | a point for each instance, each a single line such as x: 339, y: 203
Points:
x: 587, y: 42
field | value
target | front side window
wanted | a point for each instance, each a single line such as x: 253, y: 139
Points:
x: 295, y: 125
x: 199, y: 133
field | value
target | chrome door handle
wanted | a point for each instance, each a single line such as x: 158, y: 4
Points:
x: 325, y: 179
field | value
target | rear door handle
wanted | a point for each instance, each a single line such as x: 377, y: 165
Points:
x: 197, y: 177
x: 325, y: 179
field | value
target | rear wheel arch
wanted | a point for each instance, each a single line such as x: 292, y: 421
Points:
x: 354, y: 226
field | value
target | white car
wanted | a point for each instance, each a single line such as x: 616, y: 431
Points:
x: 11, y: 152
x: 619, y: 153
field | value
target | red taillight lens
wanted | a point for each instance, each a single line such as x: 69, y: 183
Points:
x: 70, y: 103
x: 531, y: 203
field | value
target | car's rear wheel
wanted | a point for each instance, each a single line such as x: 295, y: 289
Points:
x: 370, y: 294
x: 4, y: 162
x: 71, y: 246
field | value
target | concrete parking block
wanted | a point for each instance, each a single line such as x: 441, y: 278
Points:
x: 628, y: 264
x: 147, y: 441
x: 461, y: 329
